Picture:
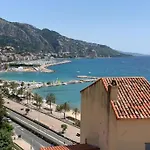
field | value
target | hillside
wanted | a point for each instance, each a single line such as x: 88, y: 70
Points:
x: 25, y: 37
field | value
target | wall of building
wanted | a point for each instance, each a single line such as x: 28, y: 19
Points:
x: 133, y: 134
x: 94, y: 108
x: 112, y: 130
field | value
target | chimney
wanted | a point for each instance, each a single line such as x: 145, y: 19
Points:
x: 113, y: 90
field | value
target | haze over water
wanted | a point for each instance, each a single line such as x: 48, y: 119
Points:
x: 110, y: 67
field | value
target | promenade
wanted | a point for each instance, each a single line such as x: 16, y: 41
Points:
x: 23, y: 144
x: 53, y: 123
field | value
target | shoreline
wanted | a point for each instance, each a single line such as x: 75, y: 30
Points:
x: 35, y: 85
x: 42, y: 68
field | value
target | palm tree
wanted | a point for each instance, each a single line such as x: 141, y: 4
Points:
x: 76, y: 112
x: 28, y: 96
x: 5, y: 91
x: 50, y: 98
x: 65, y: 107
x: 13, y: 86
x: 2, y: 109
x: 20, y: 91
x: 38, y: 100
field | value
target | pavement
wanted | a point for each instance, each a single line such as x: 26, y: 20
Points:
x: 23, y: 144
x: 53, y: 123
x: 28, y: 139
x: 39, y: 129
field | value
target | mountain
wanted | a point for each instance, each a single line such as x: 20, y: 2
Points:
x: 134, y: 54
x: 25, y: 37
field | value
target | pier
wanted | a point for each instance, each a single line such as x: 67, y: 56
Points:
x: 88, y: 77
x: 34, y: 85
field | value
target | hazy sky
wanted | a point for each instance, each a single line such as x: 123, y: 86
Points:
x: 121, y: 24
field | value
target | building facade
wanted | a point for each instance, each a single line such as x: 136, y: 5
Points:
x: 115, y: 114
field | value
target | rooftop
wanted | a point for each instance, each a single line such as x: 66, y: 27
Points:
x: 133, y: 99
x: 72, y: 147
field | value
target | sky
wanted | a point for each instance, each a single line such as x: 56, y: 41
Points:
x: 121, y: 24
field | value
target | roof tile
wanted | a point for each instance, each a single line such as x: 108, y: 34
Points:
x: 72, y: 147
x: 133, y: 99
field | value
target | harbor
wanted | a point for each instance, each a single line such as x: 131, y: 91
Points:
x: 34, y: 66
x: 35, y: 85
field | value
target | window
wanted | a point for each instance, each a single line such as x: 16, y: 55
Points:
x: 147, y: 146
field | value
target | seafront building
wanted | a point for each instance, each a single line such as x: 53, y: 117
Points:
x: 115, y: 115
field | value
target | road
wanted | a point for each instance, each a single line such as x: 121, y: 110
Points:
x: 29, y: 137
x: 45, y: 132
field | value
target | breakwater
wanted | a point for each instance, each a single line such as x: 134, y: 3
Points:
x: 36, y: 85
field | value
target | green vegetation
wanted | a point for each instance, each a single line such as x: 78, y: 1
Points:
x: 6, y: 142
x: 38, y: 100
x: 76, y: 112
x: 28, y: 96
x: 27, y: 110
x: 63, y: 108
x: 64, y: 128
x: 26, y: 38
x: 20, y: 91
x: 50, y: 98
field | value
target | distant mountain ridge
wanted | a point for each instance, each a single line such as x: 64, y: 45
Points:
x: 25, y: 37
x: 135, y: 54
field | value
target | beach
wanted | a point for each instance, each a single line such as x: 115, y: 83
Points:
x: 102, y: 67
x: 35, y: 66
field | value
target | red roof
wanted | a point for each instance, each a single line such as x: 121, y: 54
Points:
x: 72, y: 147
x: 133, y: 100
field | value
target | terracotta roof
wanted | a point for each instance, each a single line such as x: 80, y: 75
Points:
x: 72, y: 147
x: 133, y: 100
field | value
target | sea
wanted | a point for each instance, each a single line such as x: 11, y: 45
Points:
x: 99, y: 67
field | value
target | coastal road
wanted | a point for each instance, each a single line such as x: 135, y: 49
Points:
x: 39, y: 129
x: 29, y: 137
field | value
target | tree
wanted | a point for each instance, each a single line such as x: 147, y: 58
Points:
x: 50, y: 98
x: 20, y: 91
x: 2, y: 109
x: 5, y: 129
x: 76, y: 112
x: 28, y: 96
x: 13, y: 86
x: 64, y: 108
x: 64, y: 128
x: 5, y: 91
x: 38, y: 100
x: 22, y: 84
x: 27, y: 110
x: 6, y: 142
x: 58, y: 108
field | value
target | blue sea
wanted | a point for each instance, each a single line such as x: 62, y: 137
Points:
x: 101, y: 67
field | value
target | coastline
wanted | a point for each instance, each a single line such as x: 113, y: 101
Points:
x: 42, y: 68
x: 33, y: 85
